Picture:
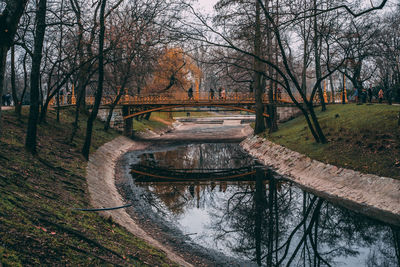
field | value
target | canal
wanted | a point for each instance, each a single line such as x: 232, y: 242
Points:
x: 215, y: 200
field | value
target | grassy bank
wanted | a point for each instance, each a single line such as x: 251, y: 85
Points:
x: 361, y: 137
x: 38, y: 194
x: 159, y: 121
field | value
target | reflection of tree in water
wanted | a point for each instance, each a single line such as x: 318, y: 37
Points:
x: 281, y: 226
x: 178, y: 196
x: 271, y: 223
x: 200, y: 156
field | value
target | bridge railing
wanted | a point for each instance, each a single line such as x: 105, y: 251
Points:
x: 182, y: 97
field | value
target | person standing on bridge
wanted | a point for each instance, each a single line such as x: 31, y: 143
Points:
x: 211, y: 94
x: 223, y: 94
x: 190, y: 93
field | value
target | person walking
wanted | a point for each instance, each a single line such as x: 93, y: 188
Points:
x: 190, y: 93
x: 364, y: 95
x: 279, y: 92
x: 380, y: 95
x: 356, y: 95
x: 8, y: 99
x: 370, y: 95
x: 212, y: 94
x: 61, y: 97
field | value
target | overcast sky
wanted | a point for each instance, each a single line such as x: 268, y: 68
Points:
x: 207, y: 5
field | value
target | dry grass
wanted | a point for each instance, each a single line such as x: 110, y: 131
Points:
x: 361, y: 137
x: 38, y: 194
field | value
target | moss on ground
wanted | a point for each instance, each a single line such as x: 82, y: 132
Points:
x: 361, y: 137
x: 38, y: 194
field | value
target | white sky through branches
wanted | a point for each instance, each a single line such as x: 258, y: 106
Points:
x: 206, y: 5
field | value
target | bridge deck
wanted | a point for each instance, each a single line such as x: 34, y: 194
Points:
x: 202, y: 99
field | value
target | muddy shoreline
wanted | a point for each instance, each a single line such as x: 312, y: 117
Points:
x: 108, y: 170
x: 101, y: 175
x: 158, y: 228
x: 147, y: 219
x: 115, y: 188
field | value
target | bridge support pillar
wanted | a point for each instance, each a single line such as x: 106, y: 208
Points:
x: 128, y: 123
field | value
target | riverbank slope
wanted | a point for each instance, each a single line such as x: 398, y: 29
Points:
x: 364, y: 138
x: 39, y: 224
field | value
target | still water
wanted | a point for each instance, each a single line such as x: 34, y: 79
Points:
x: 217, y: 195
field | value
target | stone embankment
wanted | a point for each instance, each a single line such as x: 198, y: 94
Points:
x: 369, y: 194
x: 104, y: 194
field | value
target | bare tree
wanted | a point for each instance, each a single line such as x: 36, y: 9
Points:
x: 40, y: 28
x: 99, y: 92
x: 286, y: 76
x: 9, y: 19
x: 387, y: 54
x: 18, y: 99
x: 359, y: 41
x: 135, y: 48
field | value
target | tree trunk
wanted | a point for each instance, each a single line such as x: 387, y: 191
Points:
x: 110, y: 112
x: 18, y: 105
x: 9, y: 20
x: 271, y: 230
x: 43, y: 111
x: 13, y: 85
x: 259, y: 90
x: 30, y: 142
x: 99, y: 93
x: 271, y: 107
x: 17, y: 102
x: 332, y: 89
x: 109, y: 117
x: 318, y: 59
x: 317, y: 126
x: 259, y: 198
x: 397, y: 86
x: 75, y: 124
x: 310, y: 126
x: 82, y: 93
x: 3, y: 58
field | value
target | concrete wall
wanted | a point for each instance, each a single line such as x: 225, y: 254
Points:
x: 287, y: 113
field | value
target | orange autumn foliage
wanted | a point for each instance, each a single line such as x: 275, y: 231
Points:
x: 175, y: 72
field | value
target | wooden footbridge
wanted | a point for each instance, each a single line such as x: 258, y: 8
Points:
x: 133, y: 106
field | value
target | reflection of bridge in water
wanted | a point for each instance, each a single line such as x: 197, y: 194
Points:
x: 152, y: 174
